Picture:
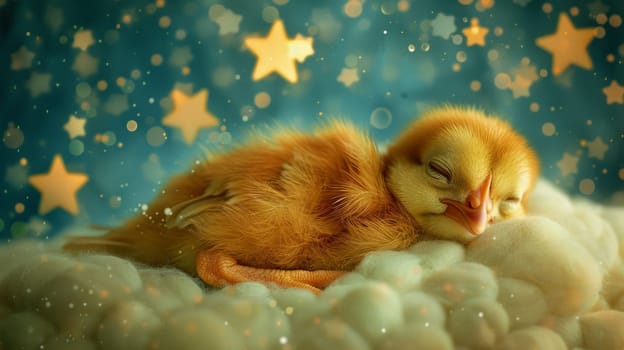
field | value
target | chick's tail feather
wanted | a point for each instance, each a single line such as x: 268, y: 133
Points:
x: 153, y: 248
x: 87, y: 244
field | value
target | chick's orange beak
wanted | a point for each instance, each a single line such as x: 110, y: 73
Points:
x: 473, y: 213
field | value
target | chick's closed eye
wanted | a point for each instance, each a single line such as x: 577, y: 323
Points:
x: 438, y: 170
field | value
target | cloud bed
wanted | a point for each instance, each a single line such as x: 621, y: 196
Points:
x: 553, y: 280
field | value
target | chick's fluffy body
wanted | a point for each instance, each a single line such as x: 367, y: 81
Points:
x: 296, y: 201
x: 322, y: 201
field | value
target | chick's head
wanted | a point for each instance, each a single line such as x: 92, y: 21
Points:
x: 457, y: 170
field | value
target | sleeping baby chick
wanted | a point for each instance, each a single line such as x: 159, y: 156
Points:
x: 300, y: 210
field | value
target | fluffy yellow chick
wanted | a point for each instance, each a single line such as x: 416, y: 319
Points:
x: 300, y: 210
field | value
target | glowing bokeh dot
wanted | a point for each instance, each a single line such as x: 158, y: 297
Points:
x: 587, y: 186
x: 502, y: 80
x: 388, y: 7
x: 102, y: 85
x: 216, y: 11
x: 156, y: 136
x: 403, y: 5
x: 83, y: 90
x: 19, y: 208
x: 353, y: 8
x: 534, y: 107
x: 381, y: 118
x: 475, y: 85
x: 621, y: 174
x: 601, y: 18
x: 13, y: 137
x: 76, y: 147
x: 270, y: 14
x: 548, y: 129
x: 114, y: 201
x: 262, y: 100
x: 109, y: 138
x: 156, y: 59
x: 132, y: 125
x: 18, y: 229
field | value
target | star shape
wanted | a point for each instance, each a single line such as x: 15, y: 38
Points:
x: 116, y: 104
x: 17, y: 175
x: 275, y: 53
x: 189, y: 114
x: 614, y: 93
x: 180, y: 56
x: 568, y: 45
x: 475, y: 35
x: 526, y: 70
x: 300, y: 48
x: 520, y: 86
x: 85, y: 64
x: 597, y: 148
x: 568, y: 164
x: 597, y: 7
x: 348, y: 76
x: 443, y: 25
x: 75, y: 126
x: 228, y: 22
x: 83, y: 39
x: 38, y: 84
x: 58, y: 187
x: 21, y: 59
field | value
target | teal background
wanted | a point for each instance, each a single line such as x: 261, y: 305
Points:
x: 127, y: 171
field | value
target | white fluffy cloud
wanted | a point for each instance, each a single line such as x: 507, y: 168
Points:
x: 553, y: 280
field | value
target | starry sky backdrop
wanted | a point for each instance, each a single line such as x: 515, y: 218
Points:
x: 102, y: 101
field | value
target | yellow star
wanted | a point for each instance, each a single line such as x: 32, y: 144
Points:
x: 75, y: 126
x: 475, y: 35
x: 276, y: 53
x: 348, y: 76
x: 597, y: 148
x: 58, y: 187
x: 567, y: 45
x: 568, y: 165
x: 614, y: 93
x: 21, y: 59
x: 300, y: 48
x: 189, y: 114
x: 83, y: 39
x: 39, y: 84
x: 228, y: 22
x: 520, y: 86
